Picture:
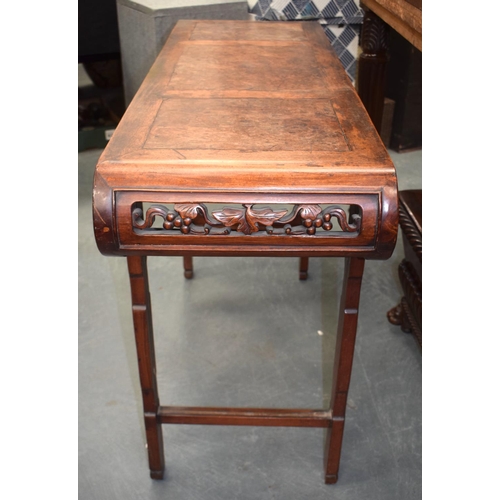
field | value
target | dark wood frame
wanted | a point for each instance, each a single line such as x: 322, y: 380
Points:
x: 405, y: 17
x: 408, y: 313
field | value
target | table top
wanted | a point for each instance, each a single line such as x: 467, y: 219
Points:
x: 245, y: 112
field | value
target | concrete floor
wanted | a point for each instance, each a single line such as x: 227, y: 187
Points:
x: 244, y: 332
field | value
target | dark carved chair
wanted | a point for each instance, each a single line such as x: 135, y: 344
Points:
x: 408, y: 313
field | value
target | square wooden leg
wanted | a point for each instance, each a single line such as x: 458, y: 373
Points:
x: 303, y: 267
x: 154, y: 415
x: 143, y: 329
x: 188, y: 267
x: 344, y: 353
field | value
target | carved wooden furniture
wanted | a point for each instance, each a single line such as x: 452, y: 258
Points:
x: 260, y: 119
x: 404, y: 16
x: 408, y: 313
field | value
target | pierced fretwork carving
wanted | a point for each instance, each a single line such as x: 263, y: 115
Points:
x: 195, y: 218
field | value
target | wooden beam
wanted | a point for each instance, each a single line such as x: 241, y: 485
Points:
x: 245, y: 416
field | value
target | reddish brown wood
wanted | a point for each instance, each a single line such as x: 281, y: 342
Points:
x: 143, y: 328
x: 408, y: 313
x: 410, y: 220
x: 188, y: 267
x: 262, y: 120
x: 198, y: 219
x: 344, y: 353
x: 303, y: 267
x: 245, y: 416
x: 206, y: 235
x: 252, y: 115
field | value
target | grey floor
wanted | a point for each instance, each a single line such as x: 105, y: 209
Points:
x: 244, y: 332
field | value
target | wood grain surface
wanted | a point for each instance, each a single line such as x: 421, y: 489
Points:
x: 245, y: 113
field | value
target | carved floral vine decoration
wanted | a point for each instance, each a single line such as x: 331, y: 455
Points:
x: 194, y: 218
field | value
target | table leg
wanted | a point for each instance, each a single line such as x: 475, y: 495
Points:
x: 344, y: 353
x: 188, y: 267
x: 303, y: 267
x: 143, y: 328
